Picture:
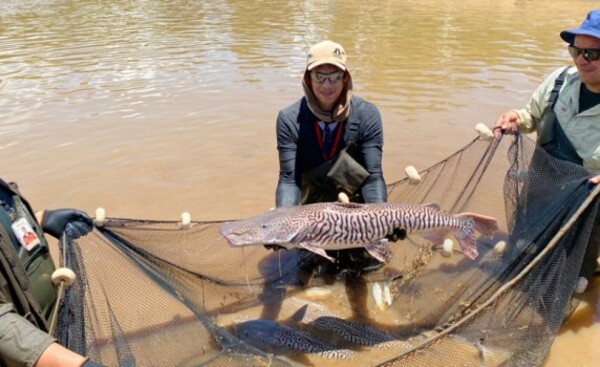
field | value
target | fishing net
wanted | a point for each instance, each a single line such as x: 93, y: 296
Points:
x: 160, y: 293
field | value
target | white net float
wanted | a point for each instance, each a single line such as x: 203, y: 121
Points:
x: 581, y: 285
x: 343, y: 198
x: 447, y: 247
x: 484, y: 132
x: 186, y: 219
x: 100, y: 217
x: 500, y: 247
x: 413, y: 175
x: 65, y: 275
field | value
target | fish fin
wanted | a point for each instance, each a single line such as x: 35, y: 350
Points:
x: 307, y: 245
x: 297, y: 316
x: 433, y: 206
x: 468, y: 244
x: 465, y: 235
x: 379, y: 250
x: 485, y: 225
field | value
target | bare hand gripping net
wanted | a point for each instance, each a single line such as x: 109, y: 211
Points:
x: 152, y: 293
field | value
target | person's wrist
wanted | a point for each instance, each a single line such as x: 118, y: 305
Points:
x: 39, y: 216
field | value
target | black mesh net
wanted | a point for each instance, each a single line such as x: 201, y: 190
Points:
x: 152, y: 293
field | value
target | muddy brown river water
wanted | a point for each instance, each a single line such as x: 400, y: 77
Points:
x: 153, y: 108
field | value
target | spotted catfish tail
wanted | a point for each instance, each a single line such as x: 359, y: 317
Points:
x: 485, y: 225
x: 466, y: 234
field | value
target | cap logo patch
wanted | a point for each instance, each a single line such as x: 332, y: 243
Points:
x: 338, y: 53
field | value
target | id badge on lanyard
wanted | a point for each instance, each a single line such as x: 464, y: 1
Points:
x: 25, y: 233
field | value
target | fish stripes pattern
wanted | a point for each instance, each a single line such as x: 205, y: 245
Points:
x: 377, y: 224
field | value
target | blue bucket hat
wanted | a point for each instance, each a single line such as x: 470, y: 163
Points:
x: 589, y: 27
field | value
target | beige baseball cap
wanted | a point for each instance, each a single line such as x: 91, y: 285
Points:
x: 326, y: 52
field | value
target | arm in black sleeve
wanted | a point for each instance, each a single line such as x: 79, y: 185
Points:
x: 374, y: 189
x: 288, y: 189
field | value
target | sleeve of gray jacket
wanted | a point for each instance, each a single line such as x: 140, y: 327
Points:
x: 21, y: 343
x: 374, y: 189
x: 288, y: 189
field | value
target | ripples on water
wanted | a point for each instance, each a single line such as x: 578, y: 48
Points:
x: 110, y: 57
x: 189, y: 88
x: 199, y: 83
x: 151, y: 108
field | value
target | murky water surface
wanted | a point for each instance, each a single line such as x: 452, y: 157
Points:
x: 152, y: 108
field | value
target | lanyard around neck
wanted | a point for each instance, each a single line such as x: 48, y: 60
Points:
x: 336, y: 140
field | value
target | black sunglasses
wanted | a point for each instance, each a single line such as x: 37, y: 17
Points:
x: 590, y: 54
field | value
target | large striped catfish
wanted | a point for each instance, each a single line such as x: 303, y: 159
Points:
x: 336, y: 226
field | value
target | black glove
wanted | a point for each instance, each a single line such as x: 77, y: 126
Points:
x: 75, y: 223
x: 274, y: 247
x: 397, y: 234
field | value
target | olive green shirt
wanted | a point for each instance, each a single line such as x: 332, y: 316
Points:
x: 23, y: 336
x: 21, y: 343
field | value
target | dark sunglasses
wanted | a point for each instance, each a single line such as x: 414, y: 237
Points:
x: 321, y: 77
x: 590, y: 54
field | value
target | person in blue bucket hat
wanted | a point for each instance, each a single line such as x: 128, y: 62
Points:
x: 589, y: 27
x: 564, y: 111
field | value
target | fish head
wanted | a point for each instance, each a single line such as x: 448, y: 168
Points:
x: 271, y: 228
x: 255, y: 329
x: 262, y: 334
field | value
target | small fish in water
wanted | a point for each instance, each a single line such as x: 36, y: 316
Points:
x: 337, y: 226
x: 277, y: 338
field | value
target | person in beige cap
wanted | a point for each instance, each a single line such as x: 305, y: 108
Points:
x: 329, y: 141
